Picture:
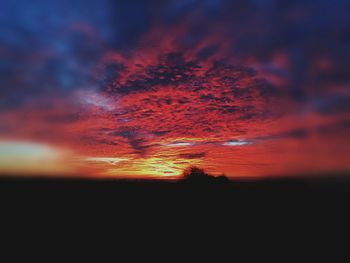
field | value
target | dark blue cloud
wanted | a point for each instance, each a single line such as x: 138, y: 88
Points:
x: 55, y: 45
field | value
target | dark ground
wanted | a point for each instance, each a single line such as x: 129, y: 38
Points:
x: 282, y: 193
x: 176, y: 215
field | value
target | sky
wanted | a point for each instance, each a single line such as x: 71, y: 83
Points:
x: 145, y: 89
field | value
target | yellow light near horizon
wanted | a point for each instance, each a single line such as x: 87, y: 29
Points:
x: 153, y: 167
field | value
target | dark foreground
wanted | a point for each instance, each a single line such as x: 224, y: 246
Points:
x: 282, y: 193
x: 129, y: 211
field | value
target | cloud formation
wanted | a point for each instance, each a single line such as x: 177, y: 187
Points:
x: 227, y: 85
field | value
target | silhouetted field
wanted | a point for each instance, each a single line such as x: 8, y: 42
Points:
x: 203, y: 205
x: 183, y: 190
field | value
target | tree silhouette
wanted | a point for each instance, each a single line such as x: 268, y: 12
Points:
x: 197, y: 175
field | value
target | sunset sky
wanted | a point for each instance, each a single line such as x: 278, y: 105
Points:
x: 145, y: 89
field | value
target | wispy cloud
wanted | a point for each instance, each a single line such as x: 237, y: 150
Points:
x: 109, y: 160
x: 236, y: 143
